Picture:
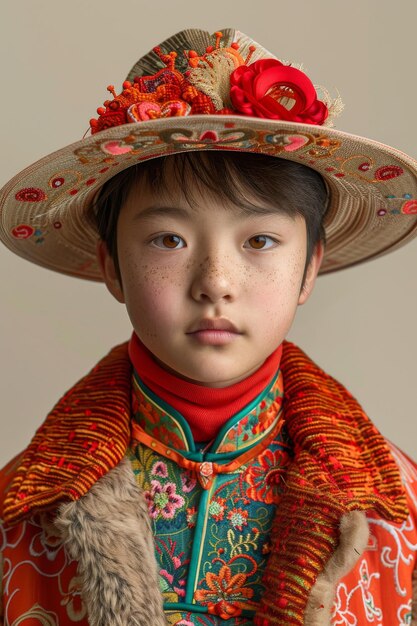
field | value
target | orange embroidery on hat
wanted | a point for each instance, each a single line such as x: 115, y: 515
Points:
x: 213, y: 84
x: 168, y: 93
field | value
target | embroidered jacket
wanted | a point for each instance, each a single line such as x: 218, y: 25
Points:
x: 212, y: 505
x: 77, y: 543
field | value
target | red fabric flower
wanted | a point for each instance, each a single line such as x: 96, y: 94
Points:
x: 263, y: 88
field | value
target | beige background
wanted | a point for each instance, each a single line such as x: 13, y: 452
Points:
x: 57, y: 59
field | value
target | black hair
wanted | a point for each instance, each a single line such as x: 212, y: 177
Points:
x: 235, y: 176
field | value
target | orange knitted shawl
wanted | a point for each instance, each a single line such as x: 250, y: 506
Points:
x: 341, y: 463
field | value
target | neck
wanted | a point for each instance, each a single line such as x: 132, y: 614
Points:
x: 206, y: 409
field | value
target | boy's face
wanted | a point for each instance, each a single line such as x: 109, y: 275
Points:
x: 182, y: 265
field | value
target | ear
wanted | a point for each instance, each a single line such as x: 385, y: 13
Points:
x: 108, y: 271
x: 311, y: 274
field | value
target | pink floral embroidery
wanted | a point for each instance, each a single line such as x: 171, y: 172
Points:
x: 188, y: 482
x: 174, y: 567
x: 163, y: 500
x: 160, y: 469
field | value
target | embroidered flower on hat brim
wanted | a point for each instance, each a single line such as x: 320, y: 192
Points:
x: 43, y: 209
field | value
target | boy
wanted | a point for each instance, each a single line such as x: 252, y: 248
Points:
x: 208, y: 472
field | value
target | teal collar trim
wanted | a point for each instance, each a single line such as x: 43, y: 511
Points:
x: 241, y: 432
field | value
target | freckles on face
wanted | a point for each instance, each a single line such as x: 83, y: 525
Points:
x: 151, y: 293
x: 277, y: 295
x: 213, y: 270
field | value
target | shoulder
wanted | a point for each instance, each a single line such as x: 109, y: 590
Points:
x: 83, y: 437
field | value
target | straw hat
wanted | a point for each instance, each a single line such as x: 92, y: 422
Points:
x: 197, y: 91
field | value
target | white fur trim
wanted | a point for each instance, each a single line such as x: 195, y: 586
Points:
x: 108, y: 532
x: 353, y: 539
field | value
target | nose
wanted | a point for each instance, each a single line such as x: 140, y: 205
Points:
x: 213, y: 281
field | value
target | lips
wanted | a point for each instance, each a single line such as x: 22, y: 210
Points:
x: 220, y: 323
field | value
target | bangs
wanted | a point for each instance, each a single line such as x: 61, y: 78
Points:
x: 254, y: 183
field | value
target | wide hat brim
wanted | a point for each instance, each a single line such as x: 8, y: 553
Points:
x: 372, y: 187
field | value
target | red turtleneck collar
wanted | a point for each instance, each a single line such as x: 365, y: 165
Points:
x: 206, y: 409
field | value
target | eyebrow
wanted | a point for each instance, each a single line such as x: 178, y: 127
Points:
x: 183, y: 214
x: 163, y: 211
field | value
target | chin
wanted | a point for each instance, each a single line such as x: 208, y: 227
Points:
x: 205, y: 378
x: 209, y: 370
x: 226, y: 380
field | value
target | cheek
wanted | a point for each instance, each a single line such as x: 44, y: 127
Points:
x: 150, y: 293
x: 277, y: 294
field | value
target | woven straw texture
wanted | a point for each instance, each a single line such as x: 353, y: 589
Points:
x: 373, y: 188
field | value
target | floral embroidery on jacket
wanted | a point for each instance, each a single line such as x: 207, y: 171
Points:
x: 211, y: 544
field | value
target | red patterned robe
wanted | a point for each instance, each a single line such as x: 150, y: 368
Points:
x: 77, y: 544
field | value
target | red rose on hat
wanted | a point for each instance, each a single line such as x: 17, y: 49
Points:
x: 261, y: 88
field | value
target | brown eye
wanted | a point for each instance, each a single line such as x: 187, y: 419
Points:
x: 260, y: 242
x: 171, y: 241
x: 257, y: 242
x: 168, y: 241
